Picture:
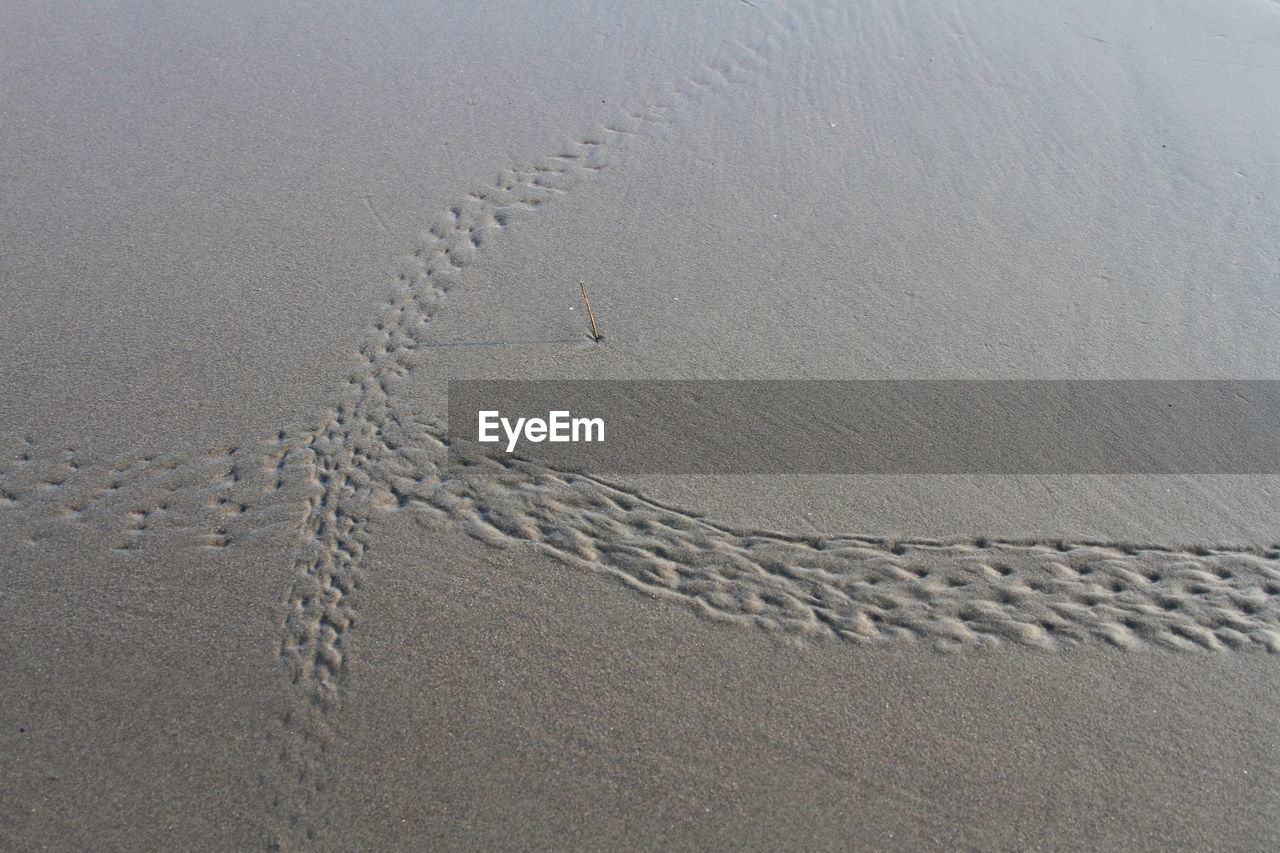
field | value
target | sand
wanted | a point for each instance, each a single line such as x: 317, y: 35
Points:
x: 248, y: 603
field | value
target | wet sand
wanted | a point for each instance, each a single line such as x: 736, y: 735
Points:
x: 248, y: 602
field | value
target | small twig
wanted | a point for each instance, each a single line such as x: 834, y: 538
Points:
x: 595, y: 333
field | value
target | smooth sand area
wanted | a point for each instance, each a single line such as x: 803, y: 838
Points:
x: 246, y: 602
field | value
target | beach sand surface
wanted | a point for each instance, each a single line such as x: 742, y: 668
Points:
x: 246, y: 601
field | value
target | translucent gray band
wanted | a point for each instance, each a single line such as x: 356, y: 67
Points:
x: 880, y: 427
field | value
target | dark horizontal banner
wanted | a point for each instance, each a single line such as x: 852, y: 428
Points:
x: 873, y: 426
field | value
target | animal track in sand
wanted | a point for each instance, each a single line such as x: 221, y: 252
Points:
x: 859, y: 589
x: 325, y: 484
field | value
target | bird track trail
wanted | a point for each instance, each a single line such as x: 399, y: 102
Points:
x: 325, y: 484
